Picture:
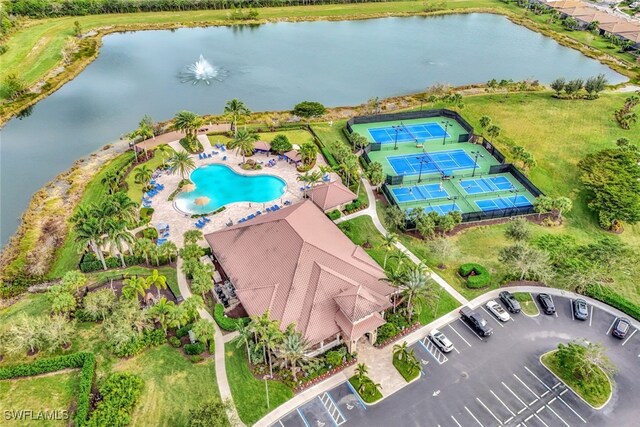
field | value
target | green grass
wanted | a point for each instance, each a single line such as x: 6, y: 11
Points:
x: 29, y: 305
x: 370, y: 396
x: 296, y: 137
x: 249, y: 394
x: 67, y: 257
x: 169, y: 272
x: 52, y: 392
x: 403, y: 369
x: 134, y: 189
x: 595, y: 389
x: 527, y: 304
x: 172, y: 386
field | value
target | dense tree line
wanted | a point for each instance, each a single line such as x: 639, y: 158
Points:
x: 48, y: 8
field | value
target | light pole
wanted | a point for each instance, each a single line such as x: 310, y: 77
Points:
x: 446, y: 124
x: 396, y: 128
x: 515, y: 199
x: 422, y: 160
x: 475, y: 161
x: 453, y: 205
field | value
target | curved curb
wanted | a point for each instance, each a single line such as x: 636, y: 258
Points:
x: 533, y: 316
x: 597, y: 408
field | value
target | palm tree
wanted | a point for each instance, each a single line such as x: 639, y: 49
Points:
x: 244, y: 335
x: 161, y: 311
x: 165, y: 151
x: 111, y: 179
x: 158, y: 280
x: 204, y: 330
x: 271, y: 339
x: 118, y: 236
x: 134, y: 286
x: 308, y: 153
x: 395, y: 277
x: 361, y: 373
x: 244, y: 142
x: 120, y: 207
x: 191, y: 306
x: 293, y: 350
x: 388, y: 244
x: 416, y: 287
x: 182, y: 164
x: 168, y: 249
x: 401, y: 258
x: 201, y: 282
x: 89, y: 232
x: 401, y: 351
x: 310, y: 177
x: 144, y: 247
x: 188, y: 122
x: 236, y: 109
x: 178, y: 317
x: 192, y: 236
x: 143, y: 175
x: 485, y: 122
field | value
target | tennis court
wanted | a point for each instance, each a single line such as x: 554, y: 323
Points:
x: 442, y: 209
x: 503, y: 203
x: 419, y: 192
x: 415, y: 132
x: 445, y: 162
x: 489, y: 184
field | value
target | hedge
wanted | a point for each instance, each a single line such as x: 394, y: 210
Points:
x: 120, y: 393
x: 227, y: 323
x: 194, y: 349
x: 329, y: 157
x: 334, y: 214
x: 481, y: 277
x: 86, y: 361
x: 613, y: 299
x: 149, y: 338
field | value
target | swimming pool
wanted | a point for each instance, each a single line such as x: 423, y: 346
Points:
x: 222, y: 186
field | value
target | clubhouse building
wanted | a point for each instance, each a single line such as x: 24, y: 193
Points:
x: 297, y: 265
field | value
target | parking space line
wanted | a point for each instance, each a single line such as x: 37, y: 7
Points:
x: 456, y: 421
x: 474, y: 417
x: 503, y: 404
x: 536, y: 377
x: 629, y: 337
x: 611, y: 326
x: 540, y: 419
x: 590, y: 315
x: 303, y: 418
x: 571, y: 308
x: 556, y: 414
x: 516, y: 396
x: 545, y: 393
x: 439, y: 356
x: 556, y: 386
x: 458, y: 334
x: 357, y: 395
x: 280, y: 421
x: 493, y: 317
x: 471, y: 329
x: 526, y: 386
x: 540, y: 409
x: 570, y: 408
x: 489, y: 410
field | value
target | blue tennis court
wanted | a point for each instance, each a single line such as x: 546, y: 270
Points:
x: 416, y: 132
x: 503, y: 203
x: 488, y: 184
x: 442, y: 209
x: 419, y: 192
x: 445, y: 162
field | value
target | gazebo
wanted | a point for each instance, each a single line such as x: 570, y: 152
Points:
x: 293, y: 156
x: 263, y: 147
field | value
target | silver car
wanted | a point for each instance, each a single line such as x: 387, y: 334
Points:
x: 497, y: 310
x: 441, y: 341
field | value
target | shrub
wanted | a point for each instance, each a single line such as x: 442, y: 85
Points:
x: 120, y: 393
x: 334, y: 214
x: 329, y: 157
x: 150, y: 233
x: 608, y: 296
x: 477, y: 276
x: 386, y: 331
x: 227, y: 323
x: 175, y: 342
x: 149, y: 338
x: 334, y: 358
x: 353, y: 206
x: 193, y: 349
x: 183, y: 331
x: 196, y: 358
x: 145, y: 215
x: 309, y: 109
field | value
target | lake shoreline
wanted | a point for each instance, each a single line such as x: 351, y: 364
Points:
x: 62, y: 74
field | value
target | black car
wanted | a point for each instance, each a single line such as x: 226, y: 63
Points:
x: 621, y: 327
x: 546, y: 302
x: 477, y: 322
x: 510, y: 301
x: 580, y: 309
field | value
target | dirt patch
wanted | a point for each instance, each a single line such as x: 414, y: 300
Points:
x: 524, y: 283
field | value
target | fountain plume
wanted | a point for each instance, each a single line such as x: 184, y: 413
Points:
x: 200, y: 71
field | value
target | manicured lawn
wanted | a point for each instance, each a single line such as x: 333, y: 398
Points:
x: 296, y: 137
x: 29, y: 305
x: 53, y: 392
x: 527, y: 303
x: 403, y: 368
x: 67, y: 257
x: 169, y: 272
x: 249, y: 393
x: 370, y: 396
x: 172, y: 386
x: 134, y: 190
x: 595, y: 389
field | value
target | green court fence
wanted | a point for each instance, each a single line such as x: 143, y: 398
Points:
x: 493, y: 150
x: 519, y: 176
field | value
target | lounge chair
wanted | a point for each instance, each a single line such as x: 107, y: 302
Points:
x: 224, y: 158
x: 259, y: 213
x: 222, y: 148
x: 287, y: 202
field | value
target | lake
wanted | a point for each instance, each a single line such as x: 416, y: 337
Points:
x: 270, y: 67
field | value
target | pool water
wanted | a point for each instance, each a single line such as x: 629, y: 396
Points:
x: 224, y: 186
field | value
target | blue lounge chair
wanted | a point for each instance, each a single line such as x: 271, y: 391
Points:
x: 199, y: 156
x: 222, y: 148
x: 224, y: 158
x: 326, y: 178
x: 259, y: 213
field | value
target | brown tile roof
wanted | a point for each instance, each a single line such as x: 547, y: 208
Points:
x: 293, y: 155
x: 355, y: 330
x: 620, y: 27
x: 263, y: 145
x: 330, y: 195
x: 295, y: 262
x: 564, y: 4
x: 633, y: 36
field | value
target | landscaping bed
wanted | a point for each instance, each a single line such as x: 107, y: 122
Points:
x: 405, y: 369
x: 527, y: 304
x: 370, y: 395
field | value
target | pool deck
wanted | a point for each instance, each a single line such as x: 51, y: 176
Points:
x: 165, y: 212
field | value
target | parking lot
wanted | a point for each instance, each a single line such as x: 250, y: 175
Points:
x: 494, y: 381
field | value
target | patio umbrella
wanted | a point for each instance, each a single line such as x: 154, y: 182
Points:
x: 188, y: 188
x: 162, y: 226
x: 201, y: 201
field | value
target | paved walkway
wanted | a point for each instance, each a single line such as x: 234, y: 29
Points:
x: 221, y: 371
x: 373, y: 213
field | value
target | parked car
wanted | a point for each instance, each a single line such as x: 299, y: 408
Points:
x: 546, y: 302
x: 510, y: 301
x: 580, y: 309
x: 621, y: 327
x: 441, y: 341
x: 497, y: 310
x: 476, y: 321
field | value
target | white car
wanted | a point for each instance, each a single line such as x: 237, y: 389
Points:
x: 441, y: 341
x: 497, y: 310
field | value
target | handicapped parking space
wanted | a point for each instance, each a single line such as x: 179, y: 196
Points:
x: 292, y: 419
x: 316, y: 414
x: 347, y: 401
